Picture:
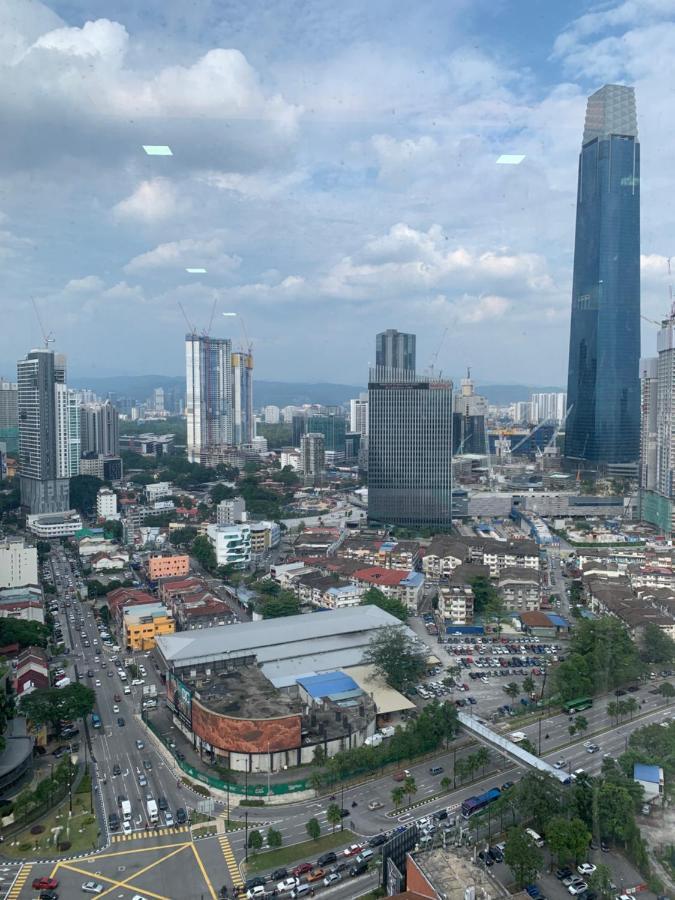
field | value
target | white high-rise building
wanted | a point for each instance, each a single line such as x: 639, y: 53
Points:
x: 209, y: 394
x: 158, y: 399
x: 548, y: 407
x: 649, y: 389
x: 106, y: 504
x: 358, y: 414
x: 313, y: 456
x: 18, y: 564
x: 271, y: 414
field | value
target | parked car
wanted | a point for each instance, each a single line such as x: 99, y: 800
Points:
x: 45, y: 883
x: 92, y: 887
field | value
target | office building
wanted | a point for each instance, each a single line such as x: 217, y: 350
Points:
x: 209, y: 394
x: 603, y: 389
x: 548, y: 407
x: 409, y: 448
x: 469, y: 417
x: 333, y: 427
x: 230, y: 512
x: 9, y: 416
x: 242, y: 398
x: 42, y: 458
x: 18, y: 564
x: 395, y: 350
x: 313, y: 457
x: 299, y: 426
x: 99, y: 429
x: 358, y: 415
x: 649, y: 388
x: 232, y: 544
x: 107, y: 468
x: 158, y: 400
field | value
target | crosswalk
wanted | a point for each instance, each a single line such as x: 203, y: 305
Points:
x: 19, y: 881
x: 231, y: 862
x: 144, y: 835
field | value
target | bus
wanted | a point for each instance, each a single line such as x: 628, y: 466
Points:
x: 574, y: 706
x: 95, y: 721
x: 473, y: 805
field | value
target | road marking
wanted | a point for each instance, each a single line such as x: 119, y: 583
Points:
x: 147, y: 868
x: 139, y: 835
x: 203, y: 871
x: 231, y: 862
x: 111, y: 881
x: 19, y: 881
x: 98, y: 856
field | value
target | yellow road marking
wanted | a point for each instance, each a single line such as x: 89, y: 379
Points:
x: 147, y: 868
x: 203, y: 871
x: 97, y: 877
x: 136, y: 850
x: 19, y: 881
x: 230, y: 860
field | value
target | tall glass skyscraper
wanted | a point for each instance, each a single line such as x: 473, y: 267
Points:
x: 603, y: 387
x: 395, y: 350
x: 209, y: 393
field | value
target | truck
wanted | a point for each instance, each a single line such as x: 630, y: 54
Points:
x: 374, y: 740
x: 388, y: 731
x: 517, y: 736
x: 126, y: 811
x: 149, y: 690
x: 62, y: 682
x: 153, y: 813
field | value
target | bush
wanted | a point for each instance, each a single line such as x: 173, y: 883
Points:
x: 6, y: 809
x: 37, y: 829
x: 25, y: 847
x: 196, y: 787
x: 63, y: 846
x: 247, y: 802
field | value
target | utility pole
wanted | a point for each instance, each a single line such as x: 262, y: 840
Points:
x: 246, y: 836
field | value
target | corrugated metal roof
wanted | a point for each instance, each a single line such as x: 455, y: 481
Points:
x: 328, y: 683
x: 643, y: 772
x: 557, y: 620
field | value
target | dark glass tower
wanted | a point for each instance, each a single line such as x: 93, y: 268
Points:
x: 395, y: 350
x: 603, y: 386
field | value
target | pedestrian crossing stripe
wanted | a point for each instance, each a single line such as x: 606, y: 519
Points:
x: 144, y: 835
x: 21, y: 879
x: 231, y: 862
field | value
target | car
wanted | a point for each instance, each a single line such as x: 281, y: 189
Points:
x: 559, y: 764
x: 586, y: 868
x: 577, y: 887
x: 533, y: 890
x: 592, y: 748
x: 147, y: 765
x: 127, y: 689
x: 302, y: 869
x: 126, y: 827
x: 162, y: 803
x: 113, y: 821
x: 140, y: 744
x: 344, y: 813
x: 92, y: 887
x: 332, y: 878
x: 254, y: 882
x: 138, y: 897
x: 564, y: 872
x: 48, y: 895
x: 137, y: 681
x: 316, y: 875
x: 288, y: 884
x: 45, y: 883
x: 97, y: 683
x: 484, y: 856
x: 117, y: 698
x: 278, y: 874
x: 168, y: 820
x: 121, y: 722
x: 110, y: 674
x: 604, y: 846
x: 507, y: 785
x: 375, y: 804
x: 352, y: 850
x: 181, y: 816
x: 90, y: 673
x: 496, y: 854
x: 116, y: 769
x: 142, y: 780
x: 377, y: 840
x: 257, y: 891
x: 327, y: 858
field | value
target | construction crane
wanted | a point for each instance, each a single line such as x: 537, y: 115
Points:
x: 248, y: 346
x: 434, y: 358
x: 191, y: 327
x: 47, y: 338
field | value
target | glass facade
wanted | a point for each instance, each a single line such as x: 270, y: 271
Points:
x: 603, y: 389
x: 395, y: 350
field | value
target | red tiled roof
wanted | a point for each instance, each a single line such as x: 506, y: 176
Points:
x: 380, y: 575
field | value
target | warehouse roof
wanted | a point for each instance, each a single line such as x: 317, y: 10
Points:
x: 327, y: 684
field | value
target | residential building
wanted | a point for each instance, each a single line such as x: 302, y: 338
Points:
x: 404, y: 586
x: 265, y: 536
x: 54, y: 525
x: 9, y: 416
x: 395, y: 350
x: 42, y: 458
x: 390, y: 554
x: 99, y: 429
x: 548, y: 407
x: 168, y: 566
x: 143, y: 624
x: 313, y: 457
x: 649, y: 389
x: 456, y: 604
x: 232, y: 544
x: 259, y: 444
x: 409, y: 449
x: 158, y: 400
x: 358, y: 415
x: 291, y: 457
x: 243, y: 428
x: 209, y: 394
x: 107, y: 468
x: 106, y: 504
x: 114, y: 560
x: 342, y: 596
x: 32, y: 671
x: 271, y: 415
x: 520, y: 589
x: 443, y: 555
x: 603, y: 390
x: 25, y: 603
x: 157, y: 490
x: 122, y: 598
x: 230, y: 512
x: 18, y: 563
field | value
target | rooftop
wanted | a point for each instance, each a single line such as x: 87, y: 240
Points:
x: 651, y: 774
x: 242, y: 692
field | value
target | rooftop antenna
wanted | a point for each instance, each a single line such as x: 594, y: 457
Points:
x: 47, y: 338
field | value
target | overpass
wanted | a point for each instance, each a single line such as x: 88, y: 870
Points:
x: 504, y: 745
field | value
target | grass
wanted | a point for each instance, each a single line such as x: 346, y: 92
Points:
x: 78, y: 829
x: 274, y: 859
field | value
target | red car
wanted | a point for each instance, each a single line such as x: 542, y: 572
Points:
x: 302, y: 869
x: 45, y: 884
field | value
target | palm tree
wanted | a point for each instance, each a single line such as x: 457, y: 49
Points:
x: 581, y: 723
x: 512, y: 689
x: 397, y: 796
x: 409, y: 787
x: 445, y: 783
x: 459, y: 771
x: 482, y: 758
x: 333, y: 815
x: 613, y: 710
x: 528, y: 685
x: 572, y: 730
x: 631, y: 706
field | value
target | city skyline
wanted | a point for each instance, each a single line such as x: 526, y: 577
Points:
x: 395, y: 178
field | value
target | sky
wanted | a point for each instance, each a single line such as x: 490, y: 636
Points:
x: 334, y: 171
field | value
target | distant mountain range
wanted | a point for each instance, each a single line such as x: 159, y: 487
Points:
x: 283, y: 393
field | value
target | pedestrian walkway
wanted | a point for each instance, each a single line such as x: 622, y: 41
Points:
x: 21, y: 879
x: 232, y: 866
x: 140, y: 835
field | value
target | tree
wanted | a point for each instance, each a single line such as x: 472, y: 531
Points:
x: 134, y: 671
x: 581, y: 723
x: 567, y: 838
x: 410, y: 787
x: 396, y: 657
x: 274, y: 838
x: 375, y: 597
x: 203, y: 552
x: 397, y: 796
x: 333, y: 815
x: 613, y: 710
x: 527, y: 745
x: 601, y: 882
x: 446, y: 783
x: 522, y: 857
x: 114, y: 530
x: 183, y: 537
x: 83, y: 491
x: 104, y: 612
x: 487, y: 601
x: 49, y: 705
x: 537, y: 798
x: 220, y: 492
x: 255, y: 840
x: 666, y: 689
x: 630, y: 706
x: 285, y: 603
x: 25, y: 634
x: 656, y: 646
x: 528, y: 685
x: 482, y: 756
x: 512, y: 689
x: 313, y: 829
x: 320, y: 755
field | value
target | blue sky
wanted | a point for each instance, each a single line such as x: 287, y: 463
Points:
x: 333, y: 169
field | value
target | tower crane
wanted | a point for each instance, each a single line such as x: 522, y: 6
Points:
x: 434, y: 358
x: 47, y: 338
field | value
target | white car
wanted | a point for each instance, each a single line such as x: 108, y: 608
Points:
x: 559, y: 764
x: 577, y: 887
x: 92, y: 887
x: 137, y: 681
x: 288, y: 884
x: 116, y: 708
x: 97, y: 683
x: 126, y: 827
x: 586, y: 868
x: 138, y: 897
x: 168, y: 819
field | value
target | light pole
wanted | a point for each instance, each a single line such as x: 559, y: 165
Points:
x: 342, y: 806
x: 269, y: 769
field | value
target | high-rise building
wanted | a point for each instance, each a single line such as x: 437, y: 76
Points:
x: 158, y: 399
x: 43, y: 462
x: 333, y: 427
x: 209, y: 393
x: 99, y: 429
x: 358, y: 414
x: 409, y: 448
x: 603, y: 388
x: 649, y: 389
x: 242, y: 398
x: 395, y: 350
x: 469, y: 419
x: 548, y: 407
x: 9, y: 416
x: 313, y: 457
x: 68, y: 432
x: 271, y: 414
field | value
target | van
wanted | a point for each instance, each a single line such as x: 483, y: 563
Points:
x: 537, y: 840
x: 358, y: 869
x: 436, y: 770
x: 302, y: 890
x: 364, y: 856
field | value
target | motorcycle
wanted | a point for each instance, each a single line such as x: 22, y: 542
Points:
x: 354, y: 803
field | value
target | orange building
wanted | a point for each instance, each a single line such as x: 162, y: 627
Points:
x: 168, y: 566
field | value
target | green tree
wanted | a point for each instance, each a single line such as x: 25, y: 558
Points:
x: 104, y: 612
x: 320, y: 755
x: 656, y: 646
x: 25, y: 634
x: 613, y: 710
x: 183, y: 537
x: 581, y: 723
x: 631, y: 706
x: 398, y: 796
x: 396, y: 657
x: 538, y: 798
x: 83, y: 491
x: 446, y: 783
x: 220, y: 492
x: 487, y: 601
x: 528, y: 685
x: 274, y: 838
x: 255, y: 840
x: 203, y: 552
x: 375, y: 597
x: 601, y: 882
x: 285, y: 603
x: 333, y: 815
x: 482, y: 758
x: 410, y: 787
x: 666, y: 689
x: 313, y: 829
x: 528, y: 746
x: 567, y: 838
x: 114, y: 530
x: 522, y: 857
x: 49, y: 705
x: 512, y: 689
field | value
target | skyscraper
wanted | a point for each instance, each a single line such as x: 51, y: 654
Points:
x: 209, y: 393
x: 242, y: 397
x: 333, y: 427
x: 9, y: 416
x: 469, y: 418
x: 409, y: 448
x: 358, y: 415
x: 99, y: 429
x: 649, y: 389
x: 395, y: 350
x: 43, y: 432
x: 313, y: 457
x: 603, y: 390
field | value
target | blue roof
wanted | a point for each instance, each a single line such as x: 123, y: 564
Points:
x: 413, y: 579
x: 642, y: 772
x: 327, y: 684
x: 557, y: 620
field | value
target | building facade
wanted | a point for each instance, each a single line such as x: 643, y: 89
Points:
x: 9, y: 416
x: 333, y: 427
x: 358, y: 415
x: 409, y: 449
x: 313, y: 457
x: 106, y: 504
x: 657, y: 435
x: 232, y: 544
x: 168, y: 566
x: 242, y: 398
x: 99, y: 429
x: 18, y: 564
x: 395, y: 350
x: 548, y: 407
x: 208, y: 364
x: 603, y: 391
x: 469, y: 419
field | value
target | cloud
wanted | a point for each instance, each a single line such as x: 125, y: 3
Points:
x: 208, y: 253
x: 151, y: 202
x: 84, y: 285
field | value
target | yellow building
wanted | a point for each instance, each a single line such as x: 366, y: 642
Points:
x: 143, y: 623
